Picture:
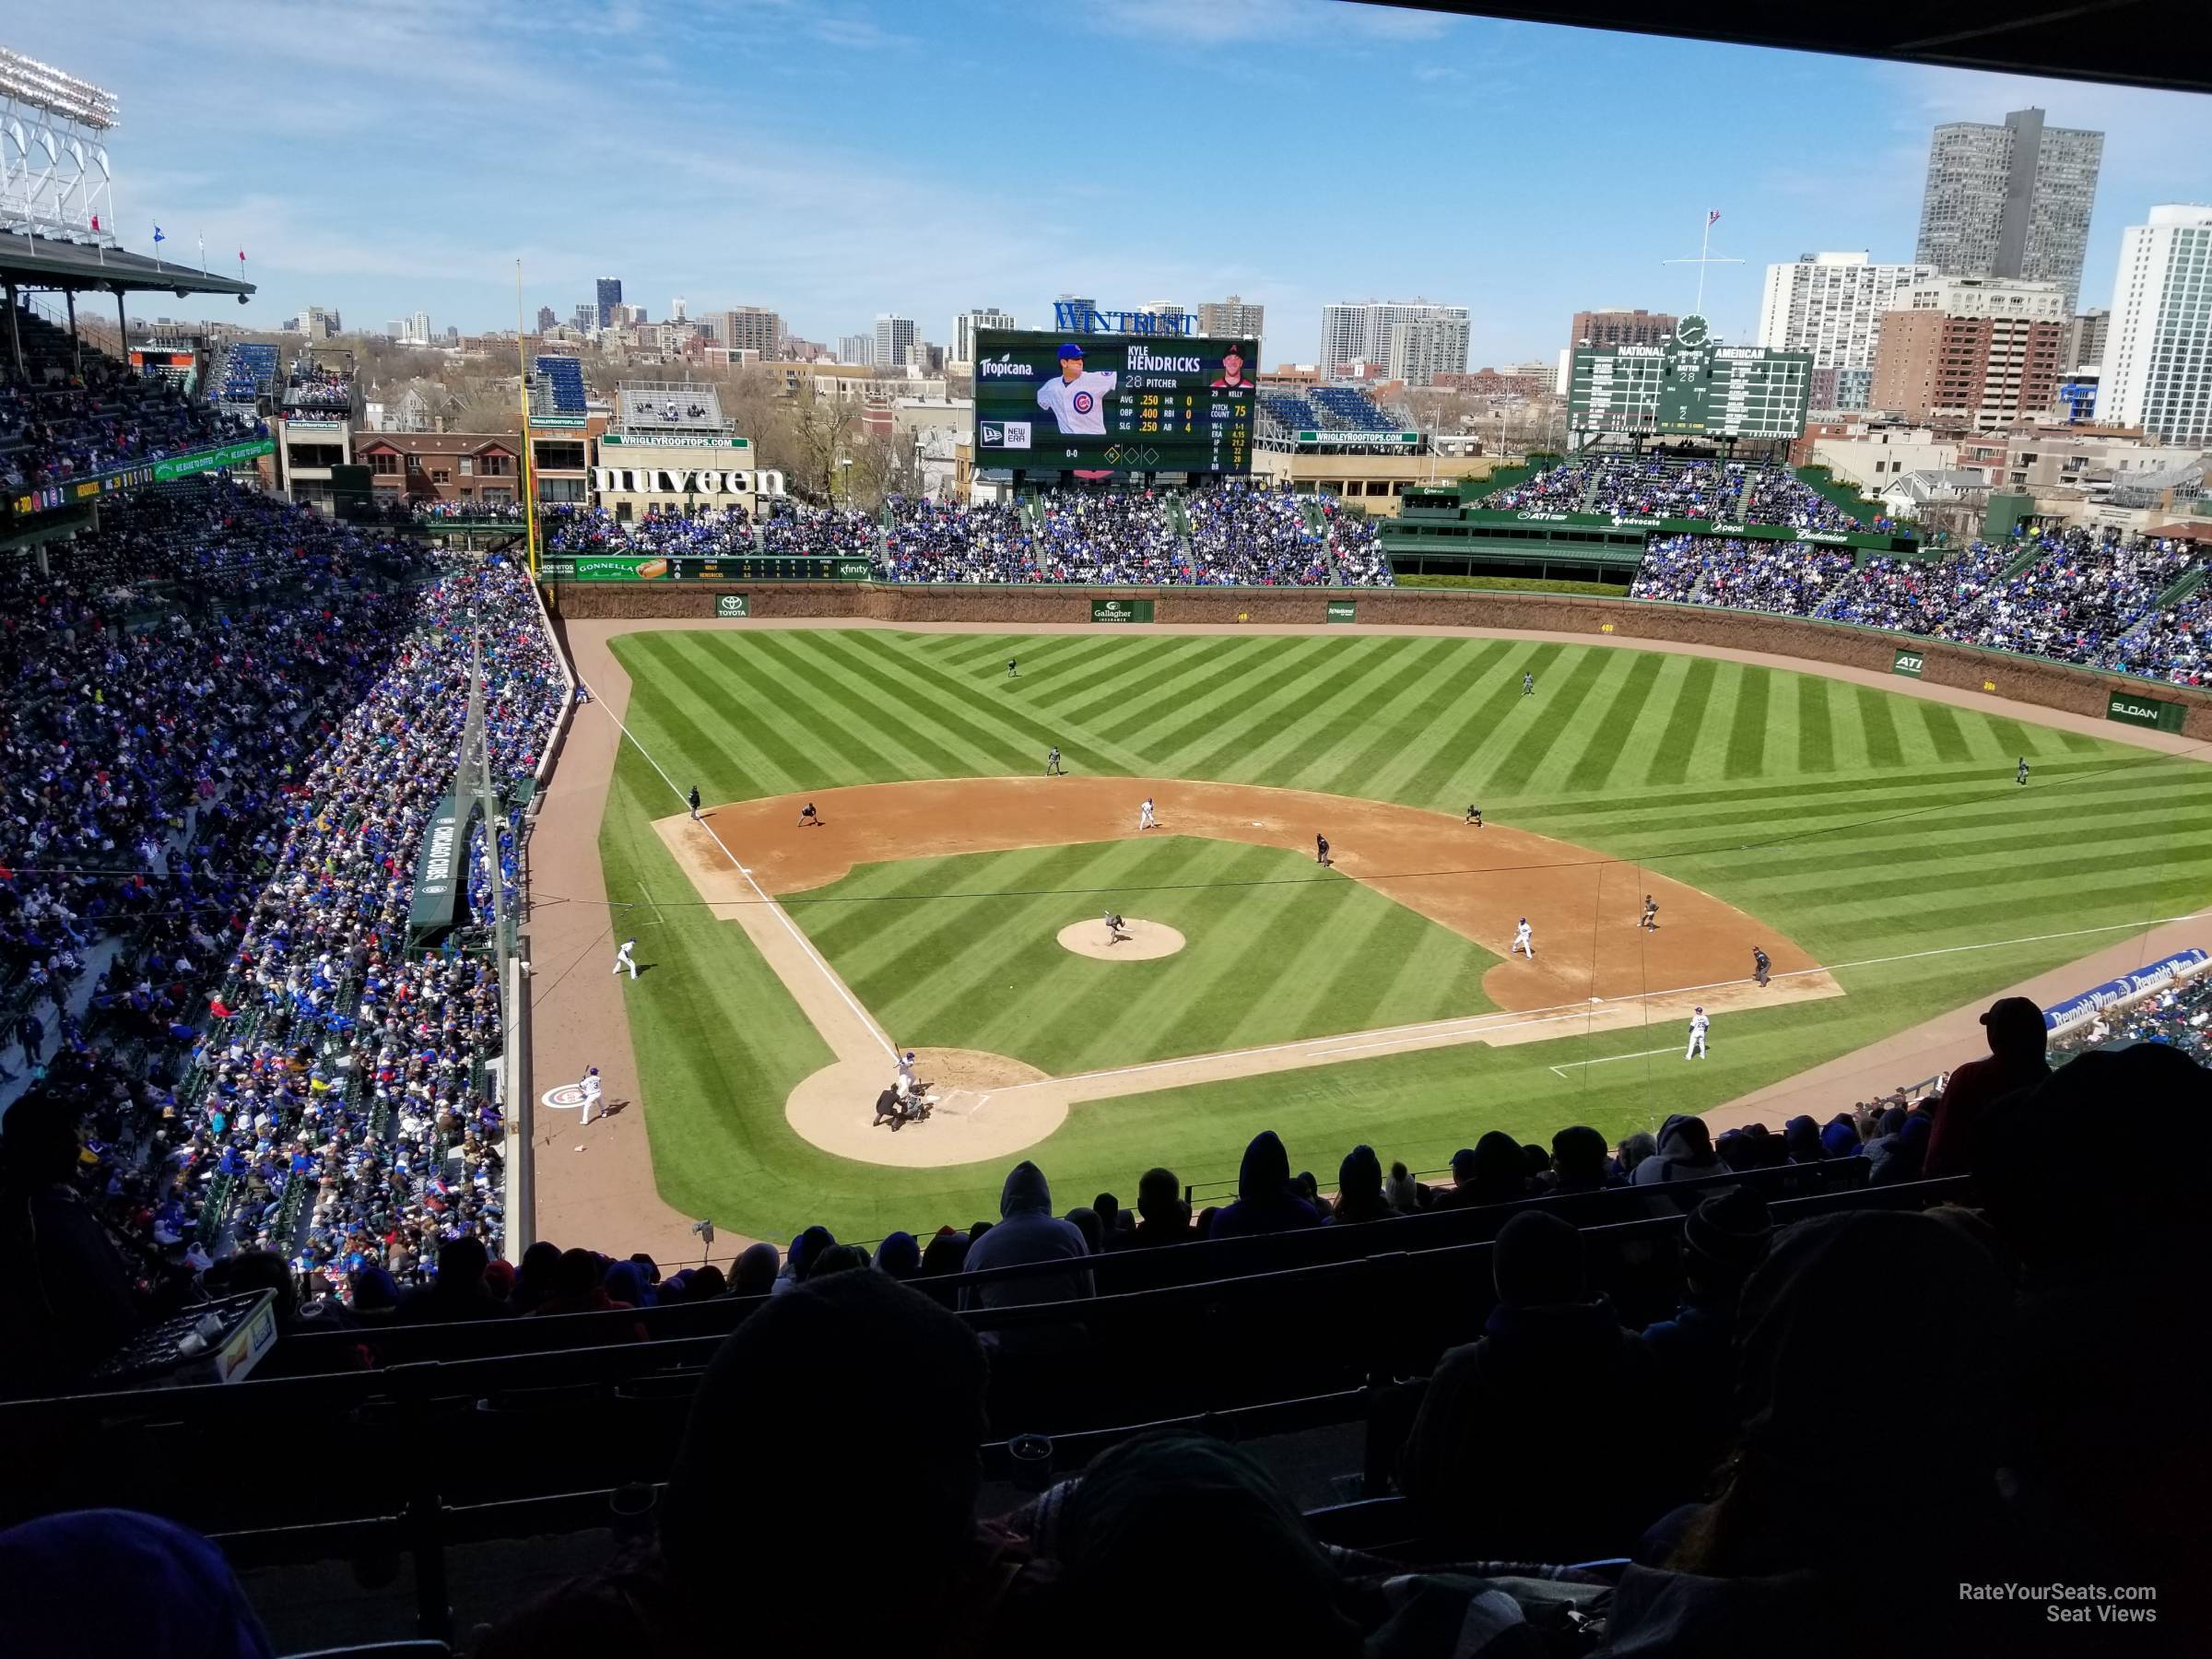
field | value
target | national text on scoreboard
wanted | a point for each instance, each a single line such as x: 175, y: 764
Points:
x: 1101, y: 405
x: 1688, y: 385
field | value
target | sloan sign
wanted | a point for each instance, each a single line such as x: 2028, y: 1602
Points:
x: 685, y: 481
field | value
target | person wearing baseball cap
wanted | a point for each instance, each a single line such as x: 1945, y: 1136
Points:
x: 2017, y: 1037
x: 1232, y: 371
x: 1076, y: 400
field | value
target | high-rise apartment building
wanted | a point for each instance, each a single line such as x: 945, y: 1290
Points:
x: 894, y: 337
x: 1359, y: 332
x: 1831, y: 305
x: 1622, y: 328
x: 675, y: 310
x: 1987, y: 297
x: 1232, y: 319
x: 750, y: 328
x: 2010, y: 200
x: 856, y: 349
x: 2157, y: 362
x: 1418, y: 351
x: 2086, y: 337
x: 546, y: 320
x: 418, y: 329
x: 1975, y: 368
x: 610, y: 297
x: 965, y: 324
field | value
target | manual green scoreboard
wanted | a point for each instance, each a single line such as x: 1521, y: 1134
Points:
x: 1690, y: 385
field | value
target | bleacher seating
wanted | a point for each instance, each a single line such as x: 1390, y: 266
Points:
x: 561, y: 389
x: 683, y: 407
x: 250, y: 370
x: 1330, y: 410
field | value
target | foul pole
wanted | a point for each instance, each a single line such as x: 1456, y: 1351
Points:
x: 522, y: 387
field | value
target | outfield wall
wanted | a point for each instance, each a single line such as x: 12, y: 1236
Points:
x: 2019, y: 678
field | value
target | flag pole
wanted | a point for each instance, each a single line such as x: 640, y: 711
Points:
x: 522, y: 389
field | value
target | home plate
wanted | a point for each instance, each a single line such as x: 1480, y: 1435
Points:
x: 958, y: 1102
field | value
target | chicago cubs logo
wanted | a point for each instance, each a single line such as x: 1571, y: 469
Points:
x: 568, y: 1096
x: 1082, y: 402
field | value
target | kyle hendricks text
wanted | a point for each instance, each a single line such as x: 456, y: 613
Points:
x: 2075, y: 1604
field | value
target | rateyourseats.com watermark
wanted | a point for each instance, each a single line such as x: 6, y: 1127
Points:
x: 2075, y: 1604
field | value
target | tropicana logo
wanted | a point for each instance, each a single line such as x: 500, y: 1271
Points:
x: 1002, y: 367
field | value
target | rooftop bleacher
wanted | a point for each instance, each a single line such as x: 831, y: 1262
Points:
x: 559, y: 389
x: 676, y: 407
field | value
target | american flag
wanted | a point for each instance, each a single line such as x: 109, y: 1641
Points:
x: 1712, y: 217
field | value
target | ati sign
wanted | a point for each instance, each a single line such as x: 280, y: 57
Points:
x: 731, y: 605
x: 1121, y: 610
x: 2145, y: 712
x: 1344, y: 610
x: 1909, y: 663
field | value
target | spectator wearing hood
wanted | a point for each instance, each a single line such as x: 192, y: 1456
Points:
x: 899, y: 1255
x: 1777, y: 1561
x: 101, y: 1582
x: 1265, y: 1201
x: 1801, y: 1135
x: 1494, y: 1173
x: 1027, y: 1231
x: 2018, y: 1038
x: 1507, y: 1456
x: 1360, y: 1189
x: 1685, y: 1153
x: 1578, y: 1161
x: 755, y: 1273
x: 69, y: 1303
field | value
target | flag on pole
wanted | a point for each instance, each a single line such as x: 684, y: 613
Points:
x: 96, y: 222
x: 158, y: 238
x: 1712, y: 217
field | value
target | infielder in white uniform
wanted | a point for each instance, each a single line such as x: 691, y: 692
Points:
x: 1698, y: 1024
x: 590, y: 1094
x: 1524, y: 941
x: 622, y: 956
x: 1144, y: 816
x: 1077, y: 400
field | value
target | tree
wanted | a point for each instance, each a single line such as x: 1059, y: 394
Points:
x: 822, y: 432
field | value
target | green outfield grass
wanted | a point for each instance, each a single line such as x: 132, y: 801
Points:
x: 1882, y: 832
x: 964, y: 952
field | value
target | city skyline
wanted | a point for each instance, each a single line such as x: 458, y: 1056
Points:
x: 1559, y: 227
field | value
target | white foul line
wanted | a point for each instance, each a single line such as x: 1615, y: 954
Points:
x: 780, y: 914
x: 1608, y: 1060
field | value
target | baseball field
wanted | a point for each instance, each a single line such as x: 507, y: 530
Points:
x: 951, y: 899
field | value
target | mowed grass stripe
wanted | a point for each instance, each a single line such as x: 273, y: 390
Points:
x: 1555, y: 707
x: 1878, y: 723
x: 808, y: 741
x: 1270, y: 713
x: 1003, y: 739
x: 1967, y: 873
x: 1143, y: 664
x: 1307, y: 954
x: 1365, y: 969
x: 1679, y: 742
x: 1416, y: 756
x: 878, y: 897
x: 1310, y: 732
x: 1943, y: 731
x: 684, y: 730
x: 1593, y: 769
x: 1206, y: 707
x: 1815, y: 729
x: 1788, y: 873
x: 1194, y: 673
x: 1746, y: 755
x: 912, y: 753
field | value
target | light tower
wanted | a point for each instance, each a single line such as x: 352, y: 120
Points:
x: 55, y: 177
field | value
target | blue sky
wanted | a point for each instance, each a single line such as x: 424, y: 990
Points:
x: 834, y: 159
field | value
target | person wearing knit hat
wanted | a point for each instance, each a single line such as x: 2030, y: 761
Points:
x: 1505, y: 1458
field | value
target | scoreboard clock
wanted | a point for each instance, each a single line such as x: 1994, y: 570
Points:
x: 1690, y: 385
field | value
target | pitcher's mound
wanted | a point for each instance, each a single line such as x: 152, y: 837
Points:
x: 1146, y: 940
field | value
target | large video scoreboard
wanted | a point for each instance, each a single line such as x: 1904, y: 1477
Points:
x: 1690, y: 385
x: 1108, y: 404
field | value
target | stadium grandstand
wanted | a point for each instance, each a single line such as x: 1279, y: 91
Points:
x: 247, y: 372
x: 1335, y: 411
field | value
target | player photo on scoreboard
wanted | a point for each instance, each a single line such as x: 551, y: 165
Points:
x: 1076, y: 400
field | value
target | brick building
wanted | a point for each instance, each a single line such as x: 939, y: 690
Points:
x: 477, y: 468
x: 1622, y: 328
x: 1977, y: 372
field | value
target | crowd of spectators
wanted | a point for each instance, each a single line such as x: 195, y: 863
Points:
x: 317, y: 387
x: 1786, y: 576
x: 580, y: 529
x: 2073, y: 597
x: 1662, y: 486
x: 206, y: 859
x: 57, y: 424
x: 1949, y: 1379
x: 2179, y: 1015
